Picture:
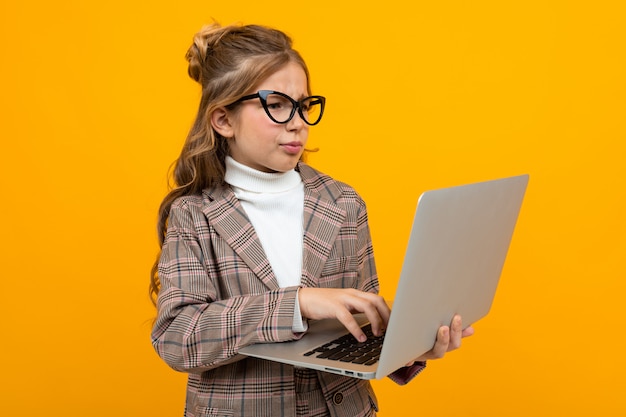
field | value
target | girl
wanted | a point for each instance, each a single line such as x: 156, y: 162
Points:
x: 254, y: 242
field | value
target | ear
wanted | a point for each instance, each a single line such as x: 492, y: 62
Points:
x: 222, y: 123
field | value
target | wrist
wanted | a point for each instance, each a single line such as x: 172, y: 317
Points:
x: 300, y: 301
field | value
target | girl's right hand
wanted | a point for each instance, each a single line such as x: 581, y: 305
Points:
x: 341, y: 304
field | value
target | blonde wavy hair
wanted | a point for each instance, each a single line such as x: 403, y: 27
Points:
x: 228, y: 62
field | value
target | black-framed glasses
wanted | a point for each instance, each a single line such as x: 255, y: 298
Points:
x: 281, y: 108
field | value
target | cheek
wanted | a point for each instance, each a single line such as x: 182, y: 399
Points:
x: 257, y: 124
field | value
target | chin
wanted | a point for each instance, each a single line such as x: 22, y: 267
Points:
x: 283, y: 167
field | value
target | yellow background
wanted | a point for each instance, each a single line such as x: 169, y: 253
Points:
x: 95, y: 104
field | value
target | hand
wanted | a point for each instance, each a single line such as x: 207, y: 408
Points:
x: 448, y: 339
x: 341, y: 303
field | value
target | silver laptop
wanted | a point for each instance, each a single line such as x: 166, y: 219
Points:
x: 453, y: 262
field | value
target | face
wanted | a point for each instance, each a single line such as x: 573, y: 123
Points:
x: 258, y: 142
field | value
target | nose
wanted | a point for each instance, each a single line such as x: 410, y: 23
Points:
x: 296, y: 122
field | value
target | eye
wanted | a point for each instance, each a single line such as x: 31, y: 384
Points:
x: 277, y: 102
x: 277, y: 105
x: 309, y: 104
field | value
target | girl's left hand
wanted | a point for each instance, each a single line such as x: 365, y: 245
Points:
x: 448, y: 339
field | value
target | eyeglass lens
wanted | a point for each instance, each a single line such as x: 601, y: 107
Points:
x: 282, y: 109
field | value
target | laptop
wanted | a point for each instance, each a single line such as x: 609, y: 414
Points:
x: 456, y: 251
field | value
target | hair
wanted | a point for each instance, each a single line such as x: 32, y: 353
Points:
x: 228, y: 62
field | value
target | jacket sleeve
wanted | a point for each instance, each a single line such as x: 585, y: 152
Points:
x: 195, y: 329
x: 368, y: 278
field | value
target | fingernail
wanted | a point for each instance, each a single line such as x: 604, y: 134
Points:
x: 362, y: 338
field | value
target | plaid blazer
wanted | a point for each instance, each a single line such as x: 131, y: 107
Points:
x: 218, y: 294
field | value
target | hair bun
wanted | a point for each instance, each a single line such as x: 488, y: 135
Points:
x: 196, y: 54
x: 203, y: 43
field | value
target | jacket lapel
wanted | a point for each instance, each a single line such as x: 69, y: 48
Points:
x: 226, y: 214
x: 323, y: 219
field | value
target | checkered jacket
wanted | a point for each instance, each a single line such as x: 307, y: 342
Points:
x: 218, y: 294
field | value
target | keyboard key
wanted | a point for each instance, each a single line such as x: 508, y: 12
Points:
x: 348, y: 349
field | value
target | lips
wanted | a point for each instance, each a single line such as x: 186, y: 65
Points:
x: 292, y: 148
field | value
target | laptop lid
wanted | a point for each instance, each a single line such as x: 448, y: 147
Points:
x: 453, y: 262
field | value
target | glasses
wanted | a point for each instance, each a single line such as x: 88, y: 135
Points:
x: 281, y: 108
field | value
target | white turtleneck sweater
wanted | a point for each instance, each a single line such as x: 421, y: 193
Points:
x: 274, y: 203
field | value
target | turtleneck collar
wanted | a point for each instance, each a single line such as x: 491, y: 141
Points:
x: 250, y: 179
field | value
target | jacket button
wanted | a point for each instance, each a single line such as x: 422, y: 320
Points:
x: 338, y: 398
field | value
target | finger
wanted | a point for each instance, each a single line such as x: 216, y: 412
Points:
x: 442, y: 342
x: 372, y: 316
x: 375, y: 309
x: 468, y: 331
x: 352, y: 325
x: 379, y: 323
x: 456, y: 331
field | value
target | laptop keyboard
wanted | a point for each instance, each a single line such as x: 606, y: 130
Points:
x: 348, y: 349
